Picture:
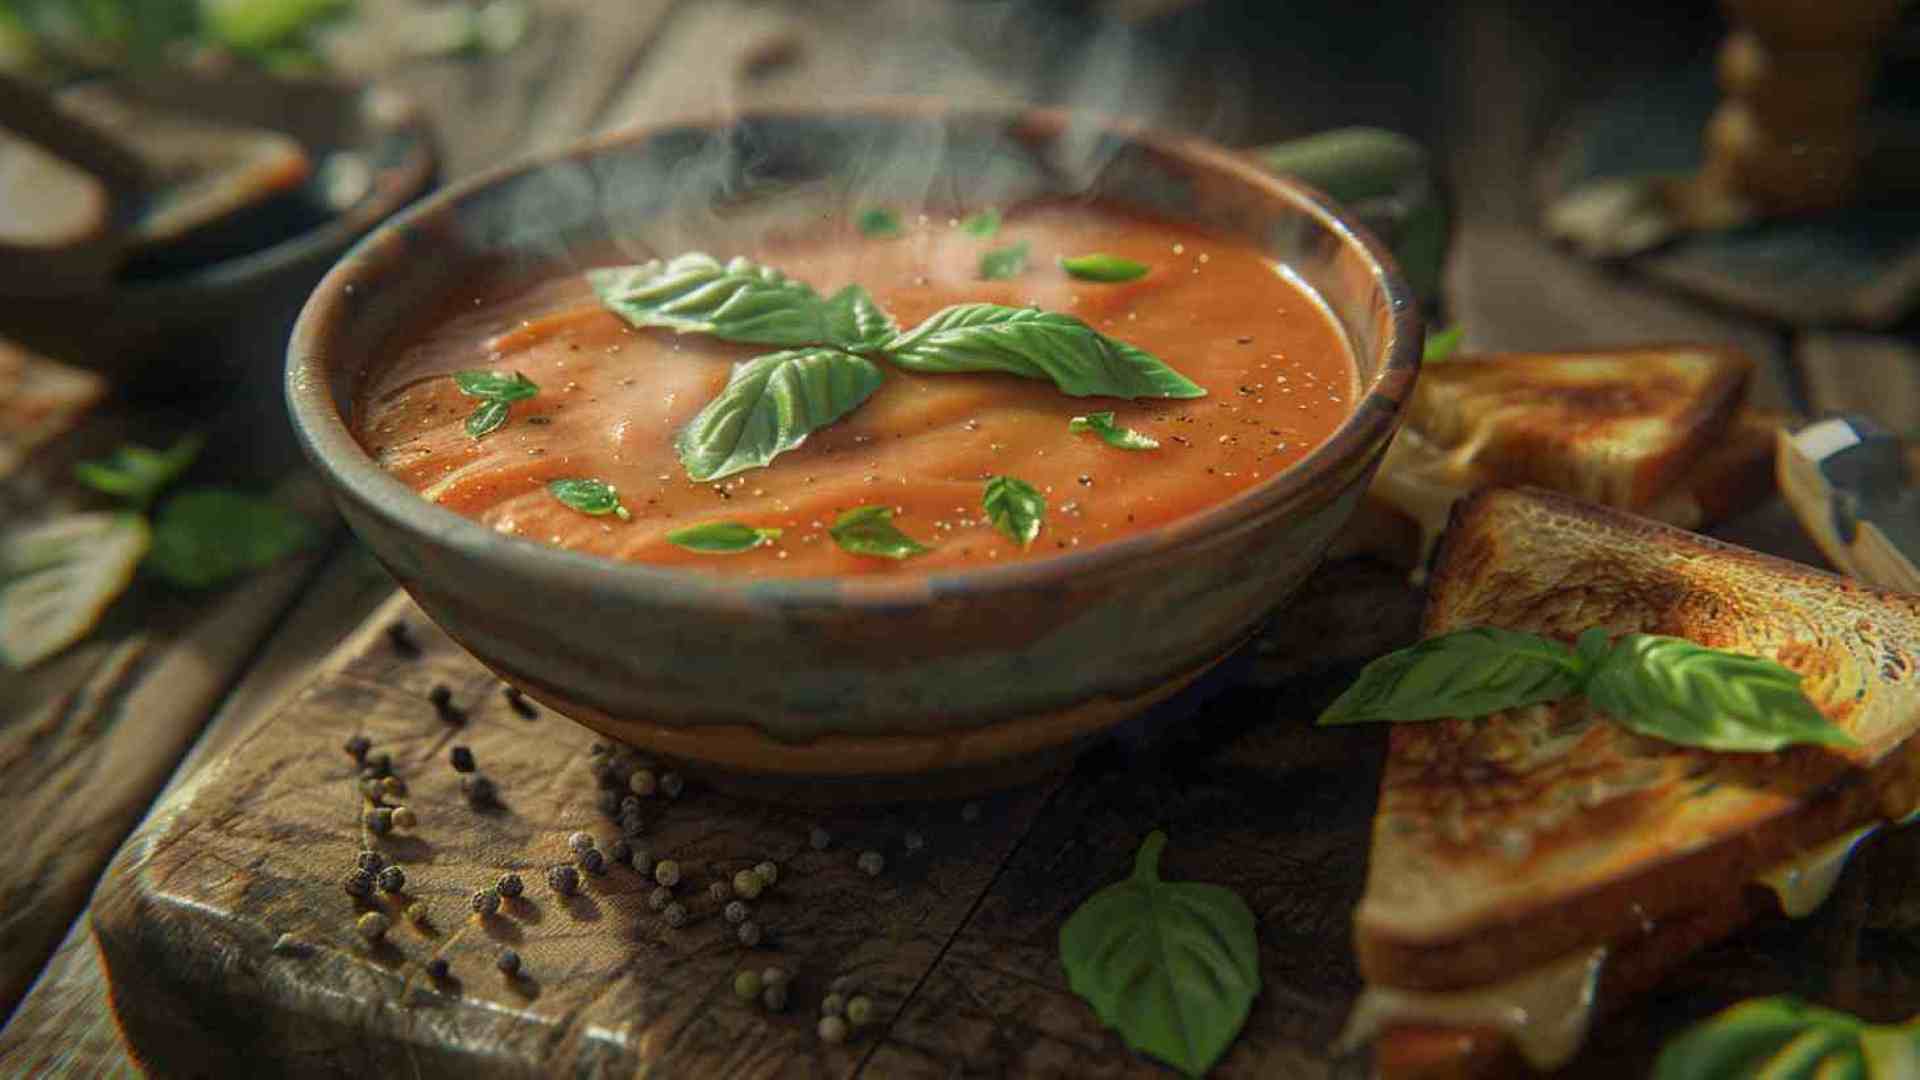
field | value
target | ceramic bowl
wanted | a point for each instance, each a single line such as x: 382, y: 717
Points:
x: 909, y: 684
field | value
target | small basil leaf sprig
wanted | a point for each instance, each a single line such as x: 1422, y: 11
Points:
x: 1784, y: 1038
x: 1664, y: 687
x: 594, y: 498
x: 722, y: 537
x: 1173, y: 967
x: 1037, y: 344
x: 738, y: 300
x: 497, y: 393
x: 1015, y: 507
x: 869, y: 530
x: 982, y: 224
x: 770, y: 405
x: 1443, y: 344
x: 1003, y: 263
x: 1107, y: 269
x: 878, y: 221
x: 1102, y: 424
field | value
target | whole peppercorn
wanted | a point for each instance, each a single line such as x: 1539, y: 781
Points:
x: 461, y: 758
x: 659, y: 898
x: 508, y: 962
x: 748, y: 885
x: 392, y: 787
x: 768, y: 873
x: 632, y: 823
x: 370, y: 787
x: 519, y: 702
x: 358, y: 883
x: 593, y: 862
x: 667, y: 872
x: 970, y: 813
x: 773, y: 975
x: 774, y: 996
x: 417, y: 913
x: 819, y: 838
x: 580, y: 842
x: 746, y: 985
x: 609, y: 802
x: 872, y: 862
x: 833, y: 1005
x: 843, y: 985
x: 379, y: 820
x: 371, y: 861
x: 748, y: 933
x: 441, y: 695
x: 718, y: 891
x: 671, y: 785
x: 372, y: 925
x: 486, y: 901
x: 629, y: 804
x: 832, y: 1029
x: 393, y: 879
x: 859, y: 1010
x: 437, y: 968
x: 478, y: 790
x: 642, y: 782
x: 620, y: 851
x: 736, y: 912
x: 381, y: 764
x: 676, y: 915
x: 402, y: 641
x: 404, y: 817
x: 564, y: 880
x: 510, y: 886
x: 914, y: 841
x: 642, y: 860
x: 357, y: 746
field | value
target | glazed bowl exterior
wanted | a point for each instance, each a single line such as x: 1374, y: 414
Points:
x: 978, y: 675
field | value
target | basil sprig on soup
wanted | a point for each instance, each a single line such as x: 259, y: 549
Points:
x: 843, y: 400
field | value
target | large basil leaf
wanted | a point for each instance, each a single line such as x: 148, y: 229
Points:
x: 1172, y: 967
x: 1784, y: 1038
x: 1466, y: 673
x: 739, y: 300
x: 1015, y: 507
x: 769, y: 406
x: 1673, y: 689
x: 1037, y: 344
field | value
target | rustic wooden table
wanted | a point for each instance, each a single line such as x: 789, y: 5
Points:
x: 960, y: 944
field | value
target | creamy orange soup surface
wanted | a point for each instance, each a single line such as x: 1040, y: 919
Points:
x: 1278, y: 375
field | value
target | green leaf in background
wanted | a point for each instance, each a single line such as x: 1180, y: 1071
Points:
x: 1015, y: 507
x: 722, y: 537
x: 983, y: 224
x: 1173, y: 967
x: 1104, y: 268
x: 206, y: 536
x: 493, y: 386
x: 1442, y: 345
x: 1036, y: 344
x: 736, y: 301
x: 487, y: 418
x: 854, y: 321
x: 1101, y: 424
x: 1005, y: 262
x: 769, y: 406
x: 1673, y: 689
x: 589, y: 496
x: 264, y: 24
x: 1466, y: 673
x: 869, y: 530
x: 878, y: 221
x: 1784, y: 1038
x: 137, y: 474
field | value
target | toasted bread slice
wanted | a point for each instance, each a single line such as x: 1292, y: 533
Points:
x: 1517, y: 844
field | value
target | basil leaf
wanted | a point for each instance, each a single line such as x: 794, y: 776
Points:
x: 1101, y: 424
x: 722, y: 537
x: 1673, y: 689
x: 137, y: 474
x: 738, y: 301
x: 1465, y: 674
x: 878, y: 221
x: 854, y: 321
x: 1173, y: 968
x: 1785, y: 1037
x: 595, y: 497
x: 206, y: 536
x: 769, y: 406
x: 487, y: 418
x: 1003, y: 263
x: 869, y: 530
x: 1036, y: 344
x: 1442, y: 345
x: 494, y: 387
x: 1100, y: 267
x: 983, y: 224
x: 1015, y: 507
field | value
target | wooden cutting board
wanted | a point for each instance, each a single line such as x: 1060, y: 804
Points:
x: 955, y: 942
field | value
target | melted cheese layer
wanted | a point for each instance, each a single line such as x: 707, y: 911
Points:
x: 1546, y: 1011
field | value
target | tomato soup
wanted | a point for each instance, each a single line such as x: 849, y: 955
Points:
x: 1277, y: 372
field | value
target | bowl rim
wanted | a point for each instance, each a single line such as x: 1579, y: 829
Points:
x: 322, y: 431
